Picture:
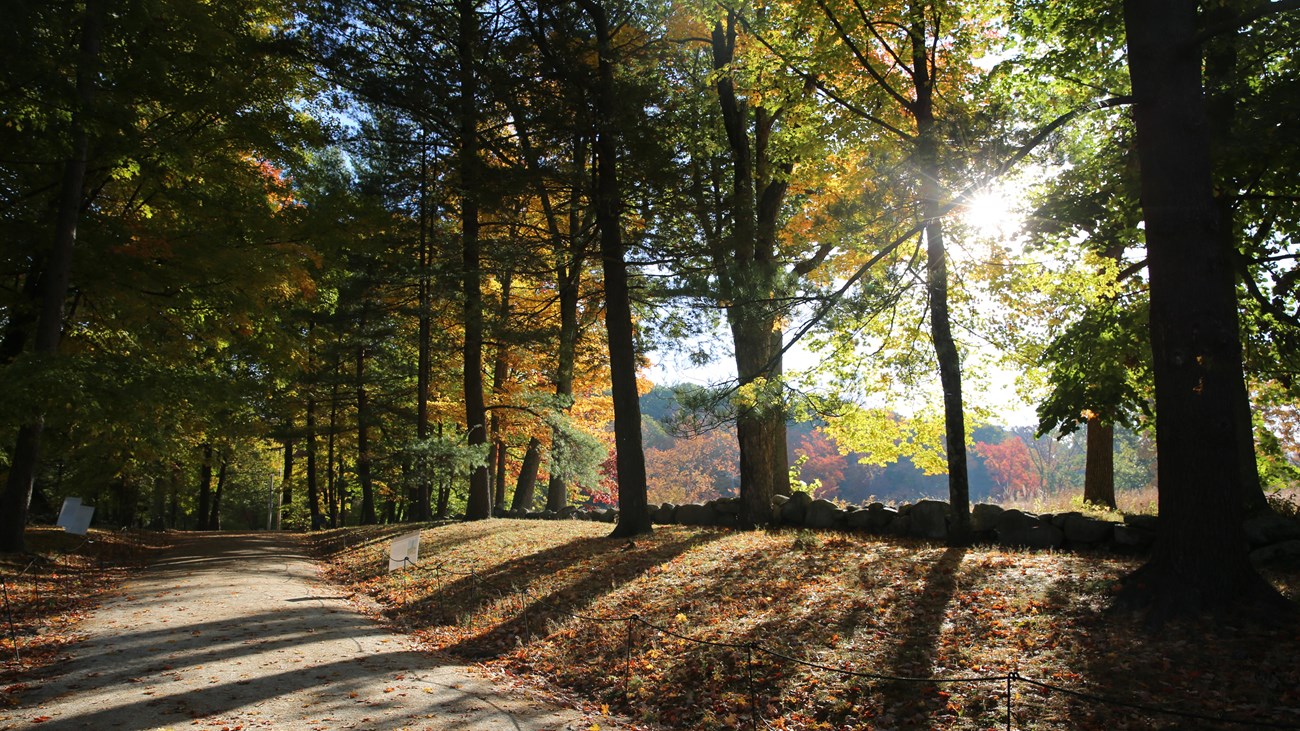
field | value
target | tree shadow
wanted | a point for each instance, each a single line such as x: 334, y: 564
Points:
x: 1222, y: 673
x: 503, y: 610
x: 916, y: 644
x: 895, y: 652
x: 695, y: 676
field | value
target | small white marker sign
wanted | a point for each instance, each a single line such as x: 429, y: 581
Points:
x: 405, y: 551
x: 75, y: 517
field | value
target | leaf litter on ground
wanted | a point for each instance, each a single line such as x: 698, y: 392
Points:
x: 699, y: 628
x: 49, y: 589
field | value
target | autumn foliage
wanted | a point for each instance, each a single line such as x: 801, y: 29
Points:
x: 1011, y: 466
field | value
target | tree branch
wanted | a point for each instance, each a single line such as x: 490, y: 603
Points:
x: 1240, y: 21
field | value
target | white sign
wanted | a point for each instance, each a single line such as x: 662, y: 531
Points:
x: 75, y: 517
x: 405, y: 551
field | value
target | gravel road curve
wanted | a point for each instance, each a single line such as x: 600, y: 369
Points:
x: 232, y: 630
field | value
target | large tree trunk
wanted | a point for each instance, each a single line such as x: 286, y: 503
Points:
x: 479, y: 505
x: 936, y: 268
x: 760, y: 426
x: 1099, y: 464
x: 527, y: 484
x: 747, y: 270
x: 1200, y: 561
x: 54, y: 283
x: 633, y: 503
x: 1221, y: 111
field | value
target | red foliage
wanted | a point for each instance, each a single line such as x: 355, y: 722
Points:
x: 1011, y: 467
x: 824, y: 462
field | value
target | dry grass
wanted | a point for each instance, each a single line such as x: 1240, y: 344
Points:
x: 885, y: 607
x: 1127, y: 502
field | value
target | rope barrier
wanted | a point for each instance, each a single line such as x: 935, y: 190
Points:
x: 1007, y: 681
x: 54, y: 582
x: 1152, y: 709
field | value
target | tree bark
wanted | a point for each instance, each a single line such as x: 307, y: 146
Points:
x: 424, y: 364
x: 331, y: 475
x: 1221, y: 112
x: 205, y: 488
x: 313, y: 488
x: 286, y: 493
x: 633, y: 507
x: 368, y: 516
x: 174, y: 499
x: 1099, y: 465
x: 479, y: 505
x: 936, y: 266
x: 1200, y: 562
x: 500, y: 372
x: 747, y: 270
x: 214, y: 520
x: 526, y: 486
x: 54, y: 283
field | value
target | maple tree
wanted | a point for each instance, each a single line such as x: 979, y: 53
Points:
x: 694, y: 469
x: 1012, y: 468
x: 822, y: 462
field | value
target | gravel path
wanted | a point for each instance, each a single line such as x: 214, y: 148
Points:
x: 230, y: 630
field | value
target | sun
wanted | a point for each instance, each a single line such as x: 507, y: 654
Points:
x: 993, y: 212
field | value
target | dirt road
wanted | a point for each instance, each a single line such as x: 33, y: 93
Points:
x: 231, y: 630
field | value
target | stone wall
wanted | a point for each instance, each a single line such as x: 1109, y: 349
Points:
x: 1271, y: 536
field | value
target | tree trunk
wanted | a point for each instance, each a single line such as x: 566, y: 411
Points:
x: 368, y: 516
x: 633, y: 503
x: 568, y: 275
x: 1200, y: 561
x: 1221, y: 111
x: 205, y: 488
x: 760, y: 427
x: 936, y: 269
x: 479, y: 505
x: 527, y: 484
x: 286, y: 495
x: 500, y: 372
x: 423, y: 480
x: 313, y: 488
x: 331, y: 474
x: 214, y: 520
x: 54, y: 284
x: 1099, y: 466
x: 174, y: 499
x: 747, y: 270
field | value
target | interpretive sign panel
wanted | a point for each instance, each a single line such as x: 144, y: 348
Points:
x: 75, y: 517
x: 405, y: 551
